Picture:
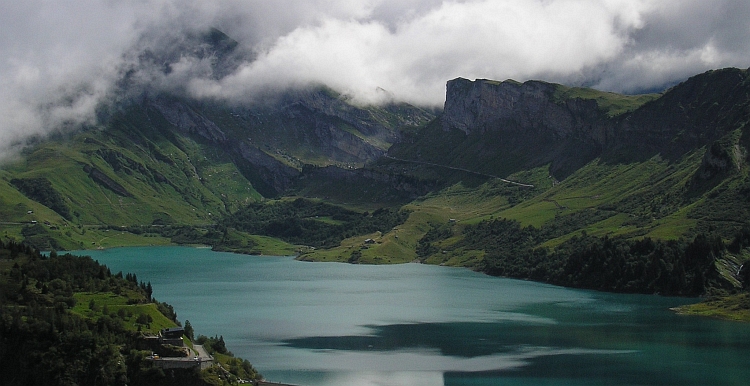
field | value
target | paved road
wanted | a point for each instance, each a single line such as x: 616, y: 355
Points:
x: 202, y: 353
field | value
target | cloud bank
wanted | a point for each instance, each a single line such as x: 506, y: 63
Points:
x: 63, y: 60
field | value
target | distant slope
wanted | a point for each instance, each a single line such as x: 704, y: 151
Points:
x: 167, y: 160
x: 671, y: 168
x: 561, y: 168
x: 647, y: 156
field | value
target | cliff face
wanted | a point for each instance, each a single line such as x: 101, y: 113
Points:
x: 523, y: 108
x: 535, y: 123
x: 529, y: 122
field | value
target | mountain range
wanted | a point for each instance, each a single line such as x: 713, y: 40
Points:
x: 538, y: 166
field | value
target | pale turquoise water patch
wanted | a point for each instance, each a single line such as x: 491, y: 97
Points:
x: 339, y: 324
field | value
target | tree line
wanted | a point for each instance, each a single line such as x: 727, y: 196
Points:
x: 684, y: 267
x: 312, y: 223
x: 42, y: 342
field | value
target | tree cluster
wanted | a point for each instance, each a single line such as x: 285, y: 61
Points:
x: 312, y: 223
x: 42, y: 342
x: 41, y: 191
x: 677, y: 267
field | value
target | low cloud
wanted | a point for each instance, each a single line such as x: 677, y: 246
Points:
x: 62, y: 61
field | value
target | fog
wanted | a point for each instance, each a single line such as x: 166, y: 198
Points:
x: 63, y: 60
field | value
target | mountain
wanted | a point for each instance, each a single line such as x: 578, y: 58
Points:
x: 696, y: 132
x: 161, y: 159
x: 558, y: 169
x: 184, y: 162
x: 605, y: 169
x: 509, y: 126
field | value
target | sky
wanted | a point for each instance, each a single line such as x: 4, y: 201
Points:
x: 61, y: 61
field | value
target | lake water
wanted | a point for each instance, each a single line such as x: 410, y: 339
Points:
x: 338, y: 324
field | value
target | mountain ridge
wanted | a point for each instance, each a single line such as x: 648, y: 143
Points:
x: 664, y: 167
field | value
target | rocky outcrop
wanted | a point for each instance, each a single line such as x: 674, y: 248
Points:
x: 535, y: 123
x: 106, y: 181
x: 526, y: 124
x: 525, y: 108
x: 268, y: 175
x: 724, y: 156
x: 187, y: 120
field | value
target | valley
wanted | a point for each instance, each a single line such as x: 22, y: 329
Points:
x: 543, y: 171
x: 366, y: 193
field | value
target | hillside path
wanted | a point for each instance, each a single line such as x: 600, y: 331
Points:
x: 462, y: 170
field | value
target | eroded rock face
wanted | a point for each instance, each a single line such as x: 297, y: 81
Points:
x: 524, y: 108
x: 567, y: 127
x: 188, y: 120
x: 527, y: 122
x: 267, y: 174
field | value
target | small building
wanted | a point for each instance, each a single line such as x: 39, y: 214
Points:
x: 172, y: 336
x: 369, y: 241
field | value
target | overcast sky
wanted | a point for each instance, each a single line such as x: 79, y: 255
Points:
x: 61, y: 59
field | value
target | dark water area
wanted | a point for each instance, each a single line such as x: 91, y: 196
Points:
x: 339, y: 324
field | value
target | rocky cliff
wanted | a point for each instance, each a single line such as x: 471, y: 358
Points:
x: 522, y: 108
x: 510, y: 126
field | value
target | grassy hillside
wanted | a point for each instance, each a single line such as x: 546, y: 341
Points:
x: 672, y: 201
x: 137, y: 171
x: 612, y: 104
x: 154, y: 182
x: 172, y: 162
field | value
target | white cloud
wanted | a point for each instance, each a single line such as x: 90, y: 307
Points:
x: 413, y: 58
x: 62, y: 59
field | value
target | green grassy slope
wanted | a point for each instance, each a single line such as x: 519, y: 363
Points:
x: 156, y: 175
x: 612, y: 104
x: 700, y: 186
x: 152, y: 176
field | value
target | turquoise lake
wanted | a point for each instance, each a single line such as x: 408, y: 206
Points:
x: 337, y: 324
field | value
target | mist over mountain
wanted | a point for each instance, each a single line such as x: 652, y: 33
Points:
x: 65, y: 63
x: 512, y: 179
x: 598, y: 145
x: 196, y: 129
